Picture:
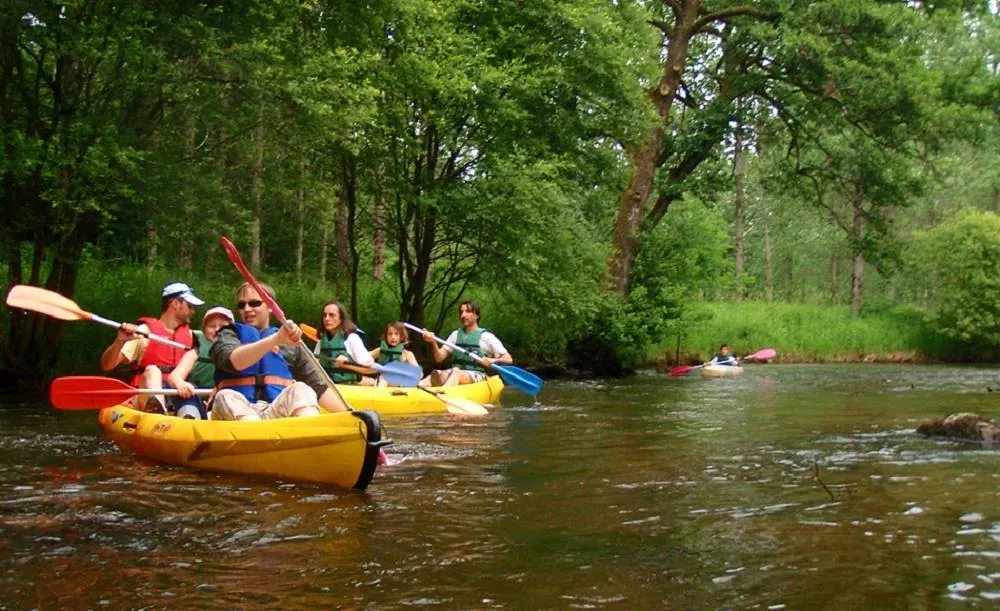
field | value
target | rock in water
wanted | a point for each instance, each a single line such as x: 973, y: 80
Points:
x: 963, y: 425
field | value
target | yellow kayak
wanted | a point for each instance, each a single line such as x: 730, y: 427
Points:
x: 339, y: 448
x: 398, y: 400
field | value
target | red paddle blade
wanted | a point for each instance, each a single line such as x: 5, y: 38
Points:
x: 88, y: 392
x: 763, y: 355
x: 45, y: 302
x: 679, y: 371
x: 234, y: 256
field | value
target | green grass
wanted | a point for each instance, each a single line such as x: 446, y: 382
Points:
x: 807, y: 333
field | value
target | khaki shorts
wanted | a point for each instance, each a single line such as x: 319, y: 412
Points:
x: 232, y: 405
x: 446, y: 374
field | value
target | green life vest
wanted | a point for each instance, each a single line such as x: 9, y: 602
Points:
x: 203, y: 373
x: 330, y: 347
x: 390, y: 354
x: 469, y: 341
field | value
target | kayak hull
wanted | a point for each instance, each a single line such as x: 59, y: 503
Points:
x: 402, y: 401
x: 721, y: 371
x: 338, y: 448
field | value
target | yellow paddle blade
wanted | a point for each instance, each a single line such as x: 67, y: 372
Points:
x: 45, y: 302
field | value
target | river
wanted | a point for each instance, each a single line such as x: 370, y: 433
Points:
x: 791, y: 487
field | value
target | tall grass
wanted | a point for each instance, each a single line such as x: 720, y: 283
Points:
x: 808, y: 333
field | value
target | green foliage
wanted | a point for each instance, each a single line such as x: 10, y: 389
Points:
x: 683, y: 258
x: 810, y: 333
x: 958, y: 265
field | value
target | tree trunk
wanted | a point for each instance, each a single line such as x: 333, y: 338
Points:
x: 341, y: 235
x: 186, y: 238
x: 739, y: 175
x: 378, y: 265
x: 257, y: 179
x: 834, y: 277
x: 858, y: 271
x: 300, y: 237
x: 324, y: 245
x: 151, y: 240
x: 768, y: 260
x: 347, y: 248
x: 633, y: 200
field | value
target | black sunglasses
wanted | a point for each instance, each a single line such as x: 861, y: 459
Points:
x: 253, y: 303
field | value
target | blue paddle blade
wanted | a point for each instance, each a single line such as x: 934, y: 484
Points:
x: 399, y: 373
x: 520, y: 379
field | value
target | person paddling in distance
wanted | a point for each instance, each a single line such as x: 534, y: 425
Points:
x: 722, y: 357
x: 152, y: 361
x: 341, y: 350
x: 480, y: 342
x: 262, y: 371
x: 196, y: 369
x: 392, y: 348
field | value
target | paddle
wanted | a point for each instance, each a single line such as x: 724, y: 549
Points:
x: 521, y: 379
x: 234, y: 256
x: 761, y: 355
x: 458, y: 405
x: 684, y: 370
x: 396, y: 373
x: 96, y: 392
x: 58, y: 306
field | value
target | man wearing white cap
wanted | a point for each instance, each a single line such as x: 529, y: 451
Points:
x: 151, y: 361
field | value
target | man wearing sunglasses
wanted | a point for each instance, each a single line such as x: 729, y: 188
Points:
x: 153, y: 361
x: 262, y: 371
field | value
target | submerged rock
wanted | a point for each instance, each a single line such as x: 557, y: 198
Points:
x: 963, y: 425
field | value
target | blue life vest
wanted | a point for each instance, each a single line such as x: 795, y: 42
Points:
x: 263, y: 380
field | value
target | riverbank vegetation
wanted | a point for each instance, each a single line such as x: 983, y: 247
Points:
x: 594, y: 173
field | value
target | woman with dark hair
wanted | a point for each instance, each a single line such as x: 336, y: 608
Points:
x: 341, y: 350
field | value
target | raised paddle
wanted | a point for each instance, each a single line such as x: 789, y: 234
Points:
x: 761, y: 355
x: 234, y: 256
x: 58, y: 306
x: 520, y: 379
x: 396, y: 373
x: 96, y: 392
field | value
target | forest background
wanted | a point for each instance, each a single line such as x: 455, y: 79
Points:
x: 616, y: 182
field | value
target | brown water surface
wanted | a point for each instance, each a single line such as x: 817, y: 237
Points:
x: 792, y: 487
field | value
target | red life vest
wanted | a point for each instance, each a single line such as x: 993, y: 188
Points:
x: 163, y: 356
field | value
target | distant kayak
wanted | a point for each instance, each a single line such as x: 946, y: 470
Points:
x: 721, y: 371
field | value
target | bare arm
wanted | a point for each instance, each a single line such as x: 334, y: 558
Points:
x: 112, y: 356
x: 178, y: 377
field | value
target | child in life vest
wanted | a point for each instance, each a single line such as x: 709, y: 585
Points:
x: 392, y: 347
x: 196, y: 369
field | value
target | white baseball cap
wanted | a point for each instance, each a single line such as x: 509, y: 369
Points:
x: 182, y: 291
x: 218, y: 311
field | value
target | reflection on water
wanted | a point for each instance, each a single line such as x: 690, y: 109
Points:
x: 790, y: 487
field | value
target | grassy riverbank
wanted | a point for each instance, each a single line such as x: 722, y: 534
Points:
x: 807, y: 333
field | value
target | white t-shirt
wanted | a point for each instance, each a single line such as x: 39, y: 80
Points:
x: 355, y: 347
x: 133, y: 349
x: 490, y: 344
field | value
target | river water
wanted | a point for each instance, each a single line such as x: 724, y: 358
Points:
x: 791, y: 487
